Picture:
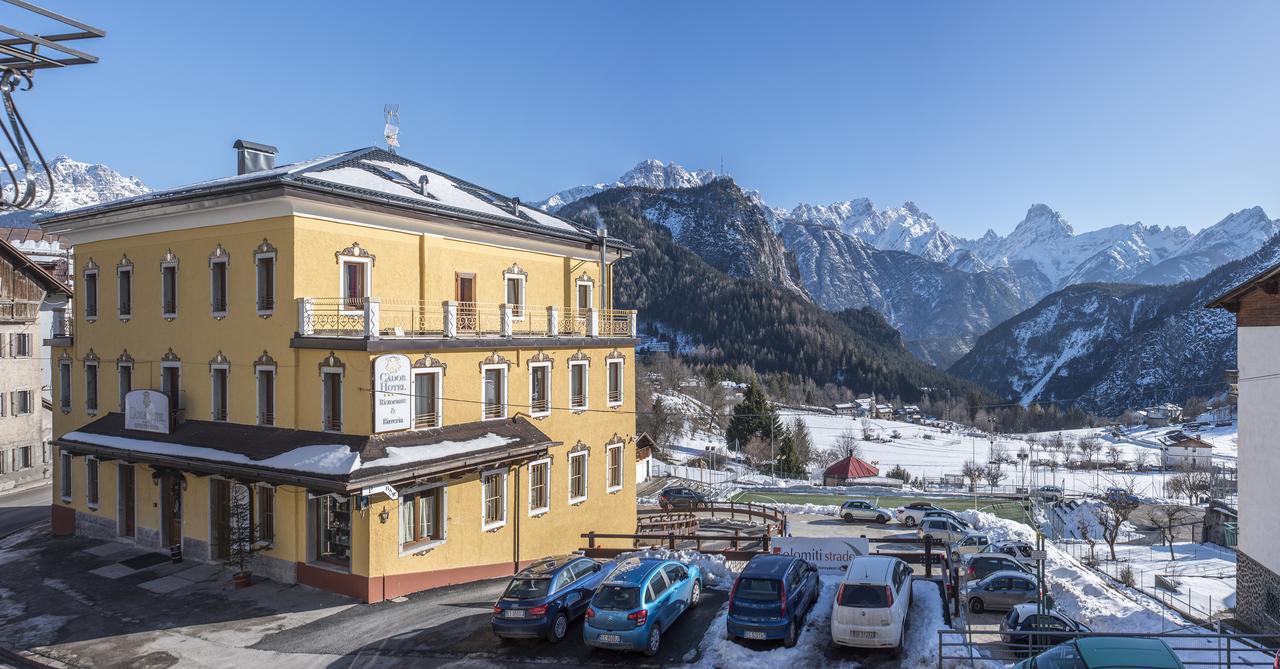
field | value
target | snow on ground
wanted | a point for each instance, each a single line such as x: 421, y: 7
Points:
x: 1205, y: 574
x: 715, y: 570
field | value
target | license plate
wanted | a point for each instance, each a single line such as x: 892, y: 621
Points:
x: 515, y: 613
x: 610, y: 638
x: 864, y: 635
x: 754, y: 635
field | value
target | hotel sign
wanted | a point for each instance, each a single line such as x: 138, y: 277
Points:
x: 146, y: 410
x: 392, y: 393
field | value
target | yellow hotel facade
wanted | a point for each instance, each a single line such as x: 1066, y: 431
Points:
x: 381, y: 377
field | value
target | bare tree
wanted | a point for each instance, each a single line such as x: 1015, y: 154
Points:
x: 974, y: 472
x: 868, y: 430
x: 759, y: 451
x: 1141, y: 458
x: 994, y: 474
x: 999, y: 454
x: 1168, y: 518
x: 1194, y: 484
x: 1089, y: 447
x: 1115, y: 456
x: 1113, y: 511
x: 712, y: 394
x: 825, y: 457
x: 847, y: 443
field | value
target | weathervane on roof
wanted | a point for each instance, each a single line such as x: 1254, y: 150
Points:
x: 391, y: 113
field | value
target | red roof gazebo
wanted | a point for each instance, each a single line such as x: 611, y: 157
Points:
x: 847, y: 469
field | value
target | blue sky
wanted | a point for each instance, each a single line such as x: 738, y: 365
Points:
x: 1109, y: 112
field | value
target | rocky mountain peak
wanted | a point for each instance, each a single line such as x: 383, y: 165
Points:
x: 76, y: 184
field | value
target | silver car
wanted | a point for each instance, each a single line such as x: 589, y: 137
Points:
x: 860, y: 509
x: 1002, y: 590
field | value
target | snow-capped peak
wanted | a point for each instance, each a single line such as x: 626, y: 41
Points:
x: 650, y: 173
x: 1042, y: 222
x: 904, y: 228
x: 76, y: 184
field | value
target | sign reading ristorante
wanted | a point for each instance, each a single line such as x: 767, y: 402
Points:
x: 392, y: 393
x: 146, y: 410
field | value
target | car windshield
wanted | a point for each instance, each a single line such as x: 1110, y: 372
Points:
x: 617, y: 597
x: 864, y: 596
x: 758, y: 590
x: 1060, y: 657
x: 527, y: 588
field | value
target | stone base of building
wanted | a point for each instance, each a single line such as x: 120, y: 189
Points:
x: 1257, y: 595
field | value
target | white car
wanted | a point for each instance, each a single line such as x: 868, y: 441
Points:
x: 944, y: 513
x: 973, y: 543
x: 911, y: 514
x: 1018, y: 550
x: 870, y: 609
x: 1048, y: 493
x: 941, y: 529
x: 859, y: 509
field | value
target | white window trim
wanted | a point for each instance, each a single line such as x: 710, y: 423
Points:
x: 170, y: 315
x: 524, y: 306
x: 257, y: 391
x: 343, y: 261
x: 213, y: 397
x: 67, y: 462
x: 488, y: 527
x: 226, y: 275
x: 535, y: 512
x: 425, y: 546
x: 119, y: 367
x: 177, y: 392
x: 89, y: 462
x: 506, y: 398
x: 591, y: 293
x: 439, y: 407
x: 64, y: 388
x: 257, y: 286
x: 550, y: 386
x: 14, y: 402
x: 97, y: 294
x: 586, y: 477
x: 608, y: 376
x: 97, y: 390
x: 342, y: 377
x: 120, y: 314
x: 622, y: 474
x: 586, y: 384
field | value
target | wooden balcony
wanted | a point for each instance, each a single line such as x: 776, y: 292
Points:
x: 18, y: 311
x: 384, y: 318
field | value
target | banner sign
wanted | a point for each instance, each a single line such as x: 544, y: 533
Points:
x: 392, y: 393
x: 146, y: 410
x: 826, y: 553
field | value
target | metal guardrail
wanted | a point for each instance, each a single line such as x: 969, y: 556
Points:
x: 776, y: 521
x: 667, y: 522
x: 376, y: 317
x: 958, y: 648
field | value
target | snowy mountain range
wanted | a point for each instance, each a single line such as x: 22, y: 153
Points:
x: 76, y: 185
x: 646, y: 174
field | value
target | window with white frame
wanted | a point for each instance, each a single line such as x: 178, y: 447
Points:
x: 577, y: 477
x: 171, y: 383
x: 614, y: 373
x: 22, y: 458
x: 586, y: 292
x: 91, y: 482
x: 90, y: 291
x: 539, y: 389
x: 515, y: 294
x: 21, y: 400
x: 355, y: 282
x: 493, y: 488
x: 125, y: 371
x: 218, y: 391
x: 264, y: 258
x: 422, y: 516
x: 426, y: 398
x: 219, y: 262
x: 124, y: 290
x: 613, y: 464
x: 91, y: 386
x: 22, y: 345
x: 169, y: 286
x: 495, y: 391
x: 64, y: 475
x: 578, y: 384
x: 266, y: 394
x: 332, y: 402
x: 539, y: 487
x: 64, y: 385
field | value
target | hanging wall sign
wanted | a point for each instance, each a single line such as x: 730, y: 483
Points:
x: 146, y: 410
x: 392, y: 393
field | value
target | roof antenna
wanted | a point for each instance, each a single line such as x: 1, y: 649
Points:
x: 391, y: 133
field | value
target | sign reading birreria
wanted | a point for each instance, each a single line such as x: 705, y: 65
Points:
x: 146, y: 410
x: 392, y: 393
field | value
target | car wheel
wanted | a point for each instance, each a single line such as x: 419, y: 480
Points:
x: 655, y: 640
x: 792, y: 636
x: 558, y: 628
x: 976, y: 605
x: 696, y: 595
x: 910, y: 521
x: 848, y: 518
x: 882, y: 519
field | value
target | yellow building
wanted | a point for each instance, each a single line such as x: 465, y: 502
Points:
x: 384, y: 377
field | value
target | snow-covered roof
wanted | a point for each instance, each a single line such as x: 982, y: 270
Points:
x: 371, y: 174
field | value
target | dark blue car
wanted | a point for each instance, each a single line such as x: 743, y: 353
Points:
x: 541, y: 600
x: 771, y: 598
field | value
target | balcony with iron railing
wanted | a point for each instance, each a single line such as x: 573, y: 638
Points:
x: 376, y: 318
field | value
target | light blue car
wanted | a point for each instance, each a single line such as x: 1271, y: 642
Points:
x: 638, y: 602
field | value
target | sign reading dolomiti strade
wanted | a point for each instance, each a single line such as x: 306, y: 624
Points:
x: 146, y: 410
x: 828, y: 554
x: 392, y: 393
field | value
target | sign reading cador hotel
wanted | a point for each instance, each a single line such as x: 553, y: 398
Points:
x: 146, y: 410
x: 392, y: 393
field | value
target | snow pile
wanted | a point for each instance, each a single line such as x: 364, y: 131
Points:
x: 719, y: 652
x: 715, y: 571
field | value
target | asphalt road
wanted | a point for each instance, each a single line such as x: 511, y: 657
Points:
x: 19, y: 510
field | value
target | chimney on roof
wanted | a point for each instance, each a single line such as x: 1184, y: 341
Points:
x: 253, y: 157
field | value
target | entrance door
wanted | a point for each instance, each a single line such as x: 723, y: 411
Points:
x: 466, y: 297
x: 220, y: 514
x: 171, y: 510
x: 125, y: 494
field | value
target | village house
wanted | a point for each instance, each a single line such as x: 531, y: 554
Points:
x: 412, y: 380
x: 1161, y: 415
x: 1256, y: 305
x: 1182, y: 451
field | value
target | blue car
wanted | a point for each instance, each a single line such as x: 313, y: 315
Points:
x: 771, y: 597
x: 638, y: 602
x: 542, y: 599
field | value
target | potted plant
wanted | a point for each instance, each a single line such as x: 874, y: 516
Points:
x: 243, y: 535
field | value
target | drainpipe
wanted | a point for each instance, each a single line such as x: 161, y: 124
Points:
x: 515, y: 536
x: 603, y: 233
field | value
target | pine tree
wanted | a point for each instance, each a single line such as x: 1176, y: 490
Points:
x: 803, y: 441
x: 789, y: 464
x: 752, y: 417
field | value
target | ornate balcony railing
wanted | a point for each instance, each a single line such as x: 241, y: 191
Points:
x: 375, y: 318
x: 63, y: 327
